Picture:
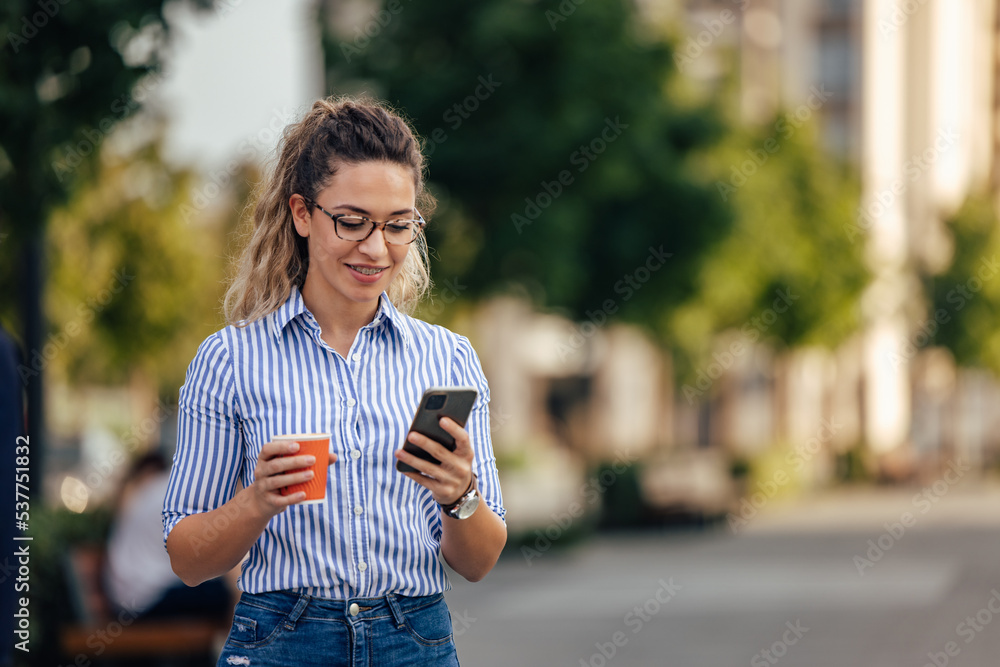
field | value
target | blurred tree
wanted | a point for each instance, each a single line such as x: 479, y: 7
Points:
x: 965, y: 299
x: 559, y: 158
x: 511, y: 96
x: 787, y: 272
x: 67, y: 74
x: 146, y: 291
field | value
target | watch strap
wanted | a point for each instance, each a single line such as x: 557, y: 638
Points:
x: 465, y: 494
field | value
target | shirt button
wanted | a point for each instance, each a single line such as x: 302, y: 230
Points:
x: 363, y: 566
x: 351, y: 402
x: 357, y: 356
x: 354, y: 609
x: 355, y: 454
x: 358, y: 510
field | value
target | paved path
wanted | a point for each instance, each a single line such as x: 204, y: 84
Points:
x: 849, y: 579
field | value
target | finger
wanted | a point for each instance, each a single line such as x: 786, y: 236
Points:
x: 439, y: 490
x: 274, y: 449
x: 422, y: 480
x: 276, y: 482
x: 450, y: 468
x: 443, y: 492
x: 425, y: 467
x: 291, y: 499
x: 452, y: 471
x: 278, y: 465
x: 281, y: 503
x: 461, y: 436
x: 429, y: 445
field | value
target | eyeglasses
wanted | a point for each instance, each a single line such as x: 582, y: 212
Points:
x: 357, y: 228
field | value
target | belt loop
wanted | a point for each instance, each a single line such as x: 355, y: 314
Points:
x: 297, y: 611
x: 397, y: 612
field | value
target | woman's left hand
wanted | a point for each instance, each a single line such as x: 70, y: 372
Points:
x: 449, y: 479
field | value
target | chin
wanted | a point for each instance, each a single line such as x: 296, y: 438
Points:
x: 366, y: 293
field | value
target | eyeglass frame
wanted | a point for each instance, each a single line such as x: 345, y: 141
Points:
x: 421, y: 223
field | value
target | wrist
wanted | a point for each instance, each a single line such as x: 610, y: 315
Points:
x: 464, y: 506
x: 248, y: 501
x: 471, y: 485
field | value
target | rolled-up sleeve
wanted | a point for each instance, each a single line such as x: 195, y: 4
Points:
x: 467, y: 371
x: 209, y: 446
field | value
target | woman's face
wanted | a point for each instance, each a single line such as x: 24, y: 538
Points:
x: 342, y: 272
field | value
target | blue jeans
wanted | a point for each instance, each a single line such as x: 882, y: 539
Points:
x: 283, y: 628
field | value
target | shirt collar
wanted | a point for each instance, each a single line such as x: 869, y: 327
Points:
x: 295, y: 306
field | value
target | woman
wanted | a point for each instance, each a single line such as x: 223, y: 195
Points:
x: 320, y: 343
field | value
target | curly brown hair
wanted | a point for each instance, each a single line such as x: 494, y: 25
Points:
x: 334, y: 132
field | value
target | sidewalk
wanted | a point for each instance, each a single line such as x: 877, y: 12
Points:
x: 968, y: 503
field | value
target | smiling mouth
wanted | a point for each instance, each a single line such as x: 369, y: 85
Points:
x: 367, y: 270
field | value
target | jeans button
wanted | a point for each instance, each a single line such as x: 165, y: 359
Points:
x: 354, y: 609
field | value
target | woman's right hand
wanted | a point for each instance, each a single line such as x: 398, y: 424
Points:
x: 209, y: 544
x: 271, y: 474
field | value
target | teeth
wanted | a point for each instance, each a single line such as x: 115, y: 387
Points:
x: 366, y: 270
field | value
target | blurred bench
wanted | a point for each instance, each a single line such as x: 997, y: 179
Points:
x: 100, y: 633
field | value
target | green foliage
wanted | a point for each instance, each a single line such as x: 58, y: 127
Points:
x: 786, y: 252
x: 855, y: 466
x: 966, y: 297
x: 146, y: 291
x: 508, y: 100
x: 496, y: 153
x: 67, y: 73
x: 622, y: 504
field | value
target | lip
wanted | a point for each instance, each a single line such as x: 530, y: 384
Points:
x: 366, y: 279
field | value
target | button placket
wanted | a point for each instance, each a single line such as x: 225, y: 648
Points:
x: 354, y: 370
x: 357, y: 478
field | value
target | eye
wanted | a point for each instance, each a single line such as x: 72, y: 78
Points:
x: 399, y: 227
x: 351, y: 223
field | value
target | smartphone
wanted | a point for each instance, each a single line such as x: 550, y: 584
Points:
x: 437, y: 402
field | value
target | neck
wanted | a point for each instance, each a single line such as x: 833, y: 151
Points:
x: 339, y: 318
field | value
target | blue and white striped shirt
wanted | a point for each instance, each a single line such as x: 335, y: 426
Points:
x: 379, y: 532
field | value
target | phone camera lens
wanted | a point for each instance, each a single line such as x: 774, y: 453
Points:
x: 435, y: 402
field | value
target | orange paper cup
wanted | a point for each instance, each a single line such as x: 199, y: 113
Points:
x: 318, y: 445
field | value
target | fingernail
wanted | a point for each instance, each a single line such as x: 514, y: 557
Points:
x: 310, y: 460
x: 293, y: 446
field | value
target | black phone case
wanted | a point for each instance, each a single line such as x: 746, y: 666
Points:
x: 458, y: 404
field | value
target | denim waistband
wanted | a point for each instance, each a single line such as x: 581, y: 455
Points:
x: 300, y: 605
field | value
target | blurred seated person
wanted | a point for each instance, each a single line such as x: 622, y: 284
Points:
x: 138, y: 578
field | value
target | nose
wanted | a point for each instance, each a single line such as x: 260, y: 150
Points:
x: 374, y: 245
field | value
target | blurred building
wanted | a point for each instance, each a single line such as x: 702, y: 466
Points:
x: 912, y: 102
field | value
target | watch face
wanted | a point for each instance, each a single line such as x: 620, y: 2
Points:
x: 467, y: 507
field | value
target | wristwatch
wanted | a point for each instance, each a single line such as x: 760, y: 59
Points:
x: 466, y: 504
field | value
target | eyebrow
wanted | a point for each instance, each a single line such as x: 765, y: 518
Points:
x: 358, y: 209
